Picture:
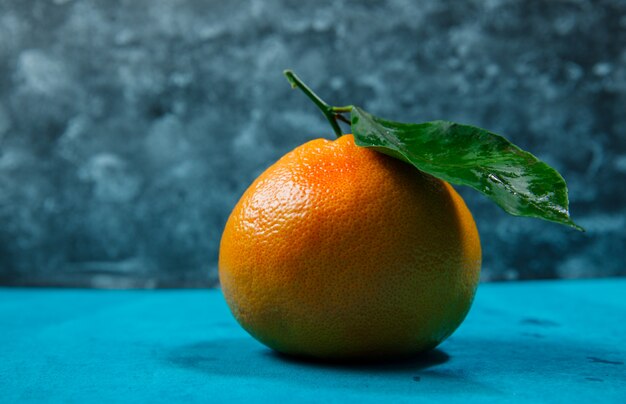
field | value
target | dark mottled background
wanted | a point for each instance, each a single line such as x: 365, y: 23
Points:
x: 128, y: 129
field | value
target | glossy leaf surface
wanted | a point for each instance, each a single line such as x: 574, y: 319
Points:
x: 514, y: 179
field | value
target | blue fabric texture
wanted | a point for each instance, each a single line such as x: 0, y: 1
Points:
x: 558, y: 341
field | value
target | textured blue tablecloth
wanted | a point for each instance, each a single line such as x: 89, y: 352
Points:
x: 522, y: 342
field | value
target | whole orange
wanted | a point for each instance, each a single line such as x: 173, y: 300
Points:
x: 338, y: 251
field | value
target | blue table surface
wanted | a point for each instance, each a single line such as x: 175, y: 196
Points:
x: 550, y: 341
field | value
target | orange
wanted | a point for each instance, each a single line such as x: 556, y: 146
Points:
x: 338, y: 251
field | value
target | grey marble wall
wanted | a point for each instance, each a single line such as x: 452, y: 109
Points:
x: 128, y: 129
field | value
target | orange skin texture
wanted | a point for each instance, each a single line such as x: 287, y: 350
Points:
x: 341, y: 252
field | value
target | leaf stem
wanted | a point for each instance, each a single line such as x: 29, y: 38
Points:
x: 347, y: 108
x: 342, y: 119
x: 331, y: 113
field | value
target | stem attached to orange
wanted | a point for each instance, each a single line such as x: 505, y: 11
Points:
x: 331, y: 113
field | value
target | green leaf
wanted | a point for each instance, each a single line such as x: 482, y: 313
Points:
x: 514, y: 179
